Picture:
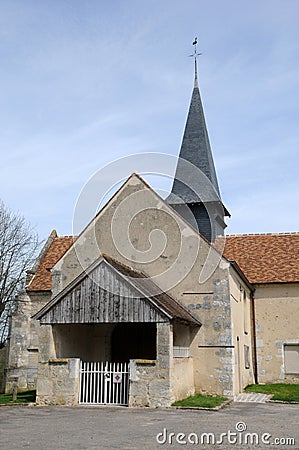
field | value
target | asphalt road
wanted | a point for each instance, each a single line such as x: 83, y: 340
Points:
x: 50, y: 428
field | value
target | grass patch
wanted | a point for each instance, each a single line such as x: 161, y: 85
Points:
x: 22, y: 397
x: 280, y: 391
x: 202, y: 401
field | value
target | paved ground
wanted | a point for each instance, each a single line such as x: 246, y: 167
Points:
x: 253, y: 397
x: 50, y: 428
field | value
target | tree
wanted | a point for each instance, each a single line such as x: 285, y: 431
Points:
x: 18, y: 246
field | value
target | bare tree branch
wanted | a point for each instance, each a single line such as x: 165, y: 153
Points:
x: 18, y: 247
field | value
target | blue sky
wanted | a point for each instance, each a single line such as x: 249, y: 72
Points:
x: 86, y: 82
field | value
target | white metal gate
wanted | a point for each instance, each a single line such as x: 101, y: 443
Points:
x: 104, y: 383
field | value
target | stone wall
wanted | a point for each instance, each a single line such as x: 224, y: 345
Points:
x: 2, y: 367
x: 23, y: 344
x: 142, y: 374
x: 58, y: 379
x: 182, y: 269
x: 58, y: 382
x: 275, y: 310
x: 211, y: 348
x: 243, y: 360
x: 182, y: 378
x: 147, y: 386
x: 151, y: 387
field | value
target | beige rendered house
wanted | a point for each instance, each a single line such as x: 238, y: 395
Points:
x: 271, y: 264
x: 106, y: 318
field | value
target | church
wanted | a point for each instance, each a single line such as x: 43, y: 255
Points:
x: 106, y: 318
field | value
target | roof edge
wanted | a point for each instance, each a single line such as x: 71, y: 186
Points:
x: 145, y: 183
x: 283, y: 233
x: 44, y: 250
x: 241, y: 274
x: 31, y: 272
x: 271, y: 283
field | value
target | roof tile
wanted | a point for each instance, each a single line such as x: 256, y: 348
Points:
x: 42, y: 280
x: 265, y: 258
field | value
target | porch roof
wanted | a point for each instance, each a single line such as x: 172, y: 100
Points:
x: 134, y: 298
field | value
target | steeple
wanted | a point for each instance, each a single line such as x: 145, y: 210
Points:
x: 202, y: 197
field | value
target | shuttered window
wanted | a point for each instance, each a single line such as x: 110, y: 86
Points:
x: 291, y: 359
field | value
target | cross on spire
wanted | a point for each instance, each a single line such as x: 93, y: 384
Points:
x: 194, y: 55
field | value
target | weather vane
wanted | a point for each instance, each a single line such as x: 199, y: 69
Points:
x: 194, y: 55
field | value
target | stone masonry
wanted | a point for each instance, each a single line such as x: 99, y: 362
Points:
x: 2, y: 367
x: 24, y: 343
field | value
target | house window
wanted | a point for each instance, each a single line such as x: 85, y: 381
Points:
x: 291, y: 359
x: 247, y: 357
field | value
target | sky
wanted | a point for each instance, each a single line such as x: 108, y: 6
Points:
x: 87, y: 82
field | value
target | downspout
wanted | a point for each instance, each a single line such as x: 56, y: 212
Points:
x: 254, y: 336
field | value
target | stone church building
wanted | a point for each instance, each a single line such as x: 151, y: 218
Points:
x: 106, y: 320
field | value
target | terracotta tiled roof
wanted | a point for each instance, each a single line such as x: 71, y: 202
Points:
x: 41, y: 281
x: 265, y: 258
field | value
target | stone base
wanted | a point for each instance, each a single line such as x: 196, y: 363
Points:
x: 58, y: 382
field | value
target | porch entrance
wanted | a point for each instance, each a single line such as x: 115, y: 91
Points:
x: 133, y: 341
x: 104, y: 383
x: 107, y: 316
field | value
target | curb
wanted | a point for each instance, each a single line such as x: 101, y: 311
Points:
x: 17, y: 404
x: 201, y: 408
x: 283, y: 402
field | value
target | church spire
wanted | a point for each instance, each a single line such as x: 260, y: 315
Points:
x: 196, y: 150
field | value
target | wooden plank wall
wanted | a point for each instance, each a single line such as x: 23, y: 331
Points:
x: 103, y: 297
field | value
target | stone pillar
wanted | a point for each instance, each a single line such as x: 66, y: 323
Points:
x: 58, y: 382
x: 141, y: 374
x: 160, y: 390
x: 56, y: 282
x: 46, y: 344
x: 164, y: 348
x: 150, y: 380
x: 58, y: 379
x: 19, y: 342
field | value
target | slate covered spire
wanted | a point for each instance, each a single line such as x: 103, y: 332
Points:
x: 205, y: 203
x: 195, y: 146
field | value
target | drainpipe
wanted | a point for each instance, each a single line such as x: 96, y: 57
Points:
x: 254, y: 336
